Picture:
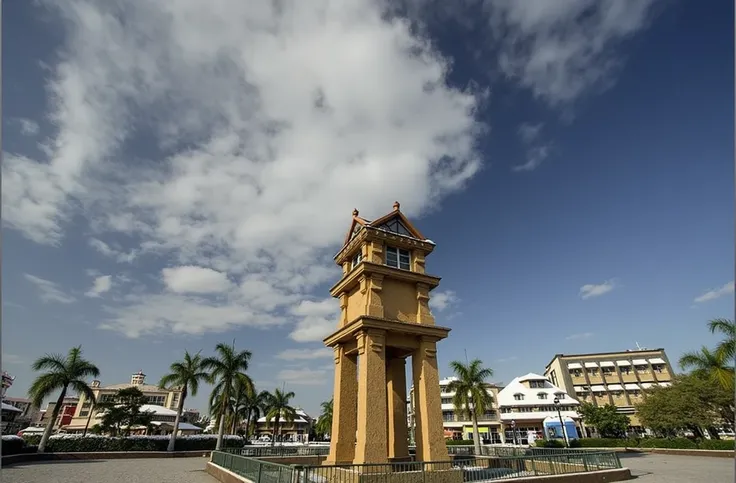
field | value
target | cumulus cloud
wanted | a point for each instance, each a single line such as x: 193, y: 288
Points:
x: 49, y: 291
x: 305, y: 376
x: 105, y: 249
x: 596, y: 290
x: 305, y: 354
x: 101, y: 285
x: 190, y: 279
x: 269, y: 121
x: 726, y: 289
x: 441, y: 300
x: 316, y: 320
x: 28, y: 127
x: 580, y: 336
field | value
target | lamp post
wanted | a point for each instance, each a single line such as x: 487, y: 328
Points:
x: 513, y: 431
x: 562, y: 423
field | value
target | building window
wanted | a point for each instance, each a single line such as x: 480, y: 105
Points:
x: 658, y: 368
x: 398, y: 258
x: 607, y: 371
x: 519, y: 397
x: 625, y: 370
x: 643, y: 369
x: 553, y: 377
x: 542, y: 395
x: 560, y: 395
x: 356, y: 260
x: 593, y: 372
x: 575, y: 373
x: 446, y: 400
x: 83, y: 414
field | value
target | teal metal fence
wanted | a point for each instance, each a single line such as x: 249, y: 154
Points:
x: 254, y: 469
x: 473, y: 468
x: 263, y: 451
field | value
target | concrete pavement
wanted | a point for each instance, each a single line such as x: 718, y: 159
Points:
x: 659, y: 468
x: 158, y: 470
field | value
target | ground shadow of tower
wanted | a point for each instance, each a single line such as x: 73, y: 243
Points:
x: 384, y: 319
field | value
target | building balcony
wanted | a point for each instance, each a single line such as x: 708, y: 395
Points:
x: 611, y: 378
x: 631, y: 377
x: 595, y: 379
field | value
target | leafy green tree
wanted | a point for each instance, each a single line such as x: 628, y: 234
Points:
x: 280, y: 409
x: 227, y: 367
x: 62, y: 373
x: 123, y: 411
x: 324, y: 422
x: 711, y: 365
x: 253, y: 406
x: 471, y: 395
x: 606, y: 419
x: 186, y: 374
x: 691, y: 402
x: 727, y: 347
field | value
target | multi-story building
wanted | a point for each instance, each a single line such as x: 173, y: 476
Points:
x: 616, y: 378
x: 66, y: 413
x: 456, y: 424
x: 84, y: 416
x: 527, y: 409
x: 29, y: 413
x: 296, y: 430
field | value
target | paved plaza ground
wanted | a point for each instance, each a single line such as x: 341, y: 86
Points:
x: 648, y: 468
x: 158, y: 470
x: 656, y: 468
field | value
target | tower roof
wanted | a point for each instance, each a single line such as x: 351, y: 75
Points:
x: 394, y: 221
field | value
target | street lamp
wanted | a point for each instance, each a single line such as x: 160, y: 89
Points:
x: 562, y: 423
x: 513, y: 430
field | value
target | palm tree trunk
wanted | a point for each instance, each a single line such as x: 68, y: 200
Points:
x: 179, y: 410
x: 247, y: 423
x: 221, y: 430
x: 275, y: 430
x: 476, y: 435
x: 89, y: 418
x: 50, y: 425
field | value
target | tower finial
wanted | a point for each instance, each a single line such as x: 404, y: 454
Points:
x: 397, y: 205
x: 355, y: 211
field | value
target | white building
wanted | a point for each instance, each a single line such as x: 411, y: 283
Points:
x: 527, y: 401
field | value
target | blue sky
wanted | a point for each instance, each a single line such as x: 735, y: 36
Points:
x: 179, y: 175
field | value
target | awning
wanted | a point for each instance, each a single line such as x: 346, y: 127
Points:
x: 657, y: 360
x: 598, y: 388
x: 646, y: 385
x: 640, y: 362
x: 632, y: 387
x: 615, y: 387
x: 607, y: 364
x: 591, y: 364
x: 11, y: 408
x: 580, y: 389
x: 665, y: 384
x: 574, y: 365
x: 623, y: 363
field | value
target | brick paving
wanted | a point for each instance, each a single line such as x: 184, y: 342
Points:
x: 660, y: 468
x: 149, y: 470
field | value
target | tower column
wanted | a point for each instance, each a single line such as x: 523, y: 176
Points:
x: 345, y: 408
x: 372, y: 443
x: 398, y: 443
x: 429, y: 433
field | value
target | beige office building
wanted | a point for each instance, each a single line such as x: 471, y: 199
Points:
x: 154, y: 394
x: 616, y: 378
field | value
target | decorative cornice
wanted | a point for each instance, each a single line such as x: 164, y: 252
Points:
x: 368, y: 268
x: 363, y: 323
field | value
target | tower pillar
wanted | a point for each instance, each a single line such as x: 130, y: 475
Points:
x: 345, y: 408
x: 398, y: 437
x: 372, y: 439
x: 429, y: 433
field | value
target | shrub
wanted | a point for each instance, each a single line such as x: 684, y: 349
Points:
x: 575, y: 443
x: 549, y: 443
x: 719, y: 444
x: 670, y: 443
x: 12, y: 445
x: 608, y: 443
x: 65, y: 443
x: 459, y: 442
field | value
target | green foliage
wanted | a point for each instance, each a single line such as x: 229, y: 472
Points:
x: 459, y: 442
x: 549, y: 443
x: 727, y: 347
x: 280, y: 409
x: 324, y: 423
x: 122, y: 411
x: 715, y: 365
x: 92, y: 444
x: 575, y: 443
x: 606, y: 419
x: 608, y: 443
x: 717, y: 444
x: 690, y: 402
x: 13, y: 445
x: 471, y: 397
x: 670, y: 443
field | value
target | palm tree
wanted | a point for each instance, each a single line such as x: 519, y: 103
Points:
x: 279, y: 408
x: 324, y: 423
x: 226, y: 368
x: 62, y: 373
x: 186, y: 374
x: 471, y: 397
x: 254, y: 404
x: 241, y: 394
x: 710, y: 364
x: 727, y: 347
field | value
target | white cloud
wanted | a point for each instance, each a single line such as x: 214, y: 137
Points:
x: 583, y: 335
x: 111, y: 252
x: 264, y: 115
x: 561, y: 50
x: 190, y: 279
x: 305, y: 377
x: 49, y: 291
x: 534, y: 157
x: 305, y: 354
x: 101, y: 285
x: 440, y: 301
x: 596, y: 290
x: 28, y: 127
x: 529, y: 132
x: 726, y: 289
x: 316, y: 320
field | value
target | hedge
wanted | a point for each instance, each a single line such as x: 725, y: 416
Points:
x: 609, y: 443
x: 68, y: 443
x: 663, y: 443
x: 459, y: 442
